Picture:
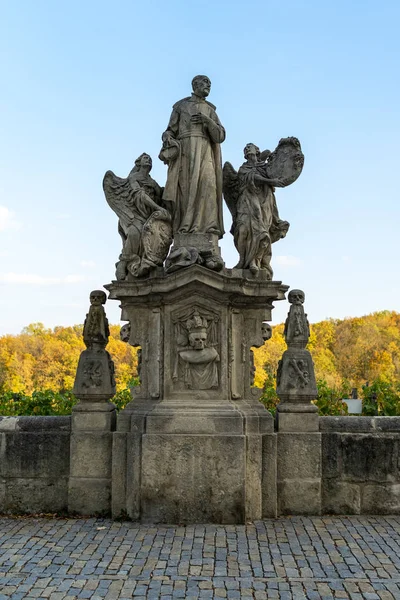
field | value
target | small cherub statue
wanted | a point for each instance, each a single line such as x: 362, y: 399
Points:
x: 95, y: 329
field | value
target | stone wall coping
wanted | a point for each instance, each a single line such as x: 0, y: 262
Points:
x: 359, y: 424
x: 32, y: 424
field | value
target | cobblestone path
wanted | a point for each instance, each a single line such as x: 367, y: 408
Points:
x: 292, y: 558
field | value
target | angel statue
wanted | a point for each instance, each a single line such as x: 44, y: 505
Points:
x: 249, y: 194
x: 144, y: 225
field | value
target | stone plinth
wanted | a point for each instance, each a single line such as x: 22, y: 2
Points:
x: 195, y: 444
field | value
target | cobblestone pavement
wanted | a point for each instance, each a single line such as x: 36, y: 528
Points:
x: 292, y: 558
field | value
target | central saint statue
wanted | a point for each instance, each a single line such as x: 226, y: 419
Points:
x: 191, y: 148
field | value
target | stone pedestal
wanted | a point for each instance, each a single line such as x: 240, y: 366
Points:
x: 299, y: 440
x: 299, y: 473
x: 89, y: 491
x: 93, y: 421
x: 195, y: 444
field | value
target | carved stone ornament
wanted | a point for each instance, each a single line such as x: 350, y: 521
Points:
x: 95, y: 329
x: 297, y: 328
x: 286, y: 161
x: 94, y: 379
x: 196, y: 359
x: 295, y: 376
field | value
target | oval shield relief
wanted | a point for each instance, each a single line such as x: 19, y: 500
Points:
x: 286, y: 161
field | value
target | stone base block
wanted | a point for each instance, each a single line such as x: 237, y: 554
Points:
x: 299, y: 497
x: 340, y: 497
x: 91, y: 455
x: 100, y: 420
x: 89, y: 496
x: 33, y: 495
x: 299, y: 473
x: 193, y: 478
x: 268, y: 482
x: 292, y: 422
x: 380, y: 499
x: 299, y: 455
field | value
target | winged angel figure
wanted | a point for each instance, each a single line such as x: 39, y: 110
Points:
x: 249, y: 194
x: 144, y: 225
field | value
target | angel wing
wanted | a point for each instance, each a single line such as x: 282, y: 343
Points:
x: 119, y: 192
x: 230, y: 188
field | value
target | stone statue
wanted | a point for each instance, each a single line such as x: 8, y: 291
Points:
x: 144, y: 225
x: 295, y: 377
x: 199, y: 360
x: 250, y: 197
x: 194, y: 184
x: 95, y: 329
x: 94, y: 379
x: 297, y: 329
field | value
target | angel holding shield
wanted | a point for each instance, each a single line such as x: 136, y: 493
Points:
x: 144, y: 225
x: 249, y: 194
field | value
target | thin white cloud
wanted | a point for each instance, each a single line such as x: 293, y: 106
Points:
x: 32, y: 279
x: 88, y: 264
x: 7, y: 220
x: 4, y: 253
x: 63, y: 216
x: 288, y: 261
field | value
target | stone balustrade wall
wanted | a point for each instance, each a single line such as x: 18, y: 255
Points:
x: 34, y: 464
x: 360, y: 465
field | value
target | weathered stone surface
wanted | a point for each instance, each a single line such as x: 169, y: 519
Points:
x: 348, y: 424
x: 34, y: 424
x: 298, y: 422
x: 38, y: 454
x: 35, y: 494
x: 381, y: 499
x: 299, y: 497
x: 299, y: 473
x: 367, y: 457
x: 199, y: 480
x: 269, y: 476
x: 299, y: 455
x: 89, y: 496
x: 340, y: 497
x: 91, y: 454
x: 331, y: 455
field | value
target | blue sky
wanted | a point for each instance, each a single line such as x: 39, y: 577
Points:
x: 88, y: 86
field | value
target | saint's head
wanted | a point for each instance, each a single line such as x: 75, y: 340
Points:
x: 201, y: 85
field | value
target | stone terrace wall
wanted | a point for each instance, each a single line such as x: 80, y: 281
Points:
x: 34, y: 464
x: 360, y: 465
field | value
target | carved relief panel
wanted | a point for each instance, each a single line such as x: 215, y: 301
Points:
x: 195, y: 351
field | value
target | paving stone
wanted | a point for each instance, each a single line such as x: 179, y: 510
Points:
x: 356, y: 558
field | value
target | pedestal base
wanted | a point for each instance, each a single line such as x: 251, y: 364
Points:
x: 194, y: 465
